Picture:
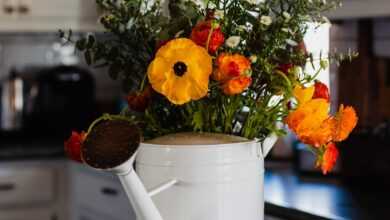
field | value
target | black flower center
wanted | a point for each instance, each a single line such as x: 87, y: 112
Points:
x: 180, y: 68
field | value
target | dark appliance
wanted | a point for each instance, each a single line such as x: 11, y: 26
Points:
x: 65, y: 101
x: 47, y: 102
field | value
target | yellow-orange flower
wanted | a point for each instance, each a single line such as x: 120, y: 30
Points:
x: 309, y: 116
x: 178, y: 75
x: 230, y: 66
x: 303, y: 94
x: 320, y: 136
x: 236, y: 85
x: 345, y: 122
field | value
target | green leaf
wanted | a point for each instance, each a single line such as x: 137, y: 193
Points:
x: 81, y: 44
x: 113, y: 71
x: 197, y: 121
x: 91, y: 42
x: 88, y: 57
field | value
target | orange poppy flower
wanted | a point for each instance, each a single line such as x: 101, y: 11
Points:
x: 236, y: 85
x: 320, y: 136
x: 230, y: 66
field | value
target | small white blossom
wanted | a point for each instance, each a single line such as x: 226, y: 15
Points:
x: 255, y: 2
x: 233, y: 41
x: 252, y: 2
x: 219, y: 14
x: 286, y: 15
x: 253, y: 58
x: 291, y: 42
x: 266, y: 20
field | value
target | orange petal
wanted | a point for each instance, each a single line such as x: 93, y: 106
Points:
x: 329, y: 158
x: 346, y: 121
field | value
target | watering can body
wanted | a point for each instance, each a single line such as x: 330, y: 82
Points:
x: 211, y: 181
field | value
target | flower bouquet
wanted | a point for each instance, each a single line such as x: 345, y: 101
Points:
x: 233, y: 67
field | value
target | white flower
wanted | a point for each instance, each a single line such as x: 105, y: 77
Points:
x: 219, y: 14
x: 253, y: 58
x: 291, y: 42
x: 266, y: 20
x: 255, y: 2
x: 286, y: 15
x: 252, y: 2
x: 233, y: 41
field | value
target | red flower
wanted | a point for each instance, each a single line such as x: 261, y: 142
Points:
x: 139, y: 102
x: 200, y: 35
x: 285, y: 67
x: 329, y: 158
x: 321, y: 91
x: 73, y: 146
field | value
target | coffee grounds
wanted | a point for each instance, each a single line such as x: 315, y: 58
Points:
x: 110, y: 143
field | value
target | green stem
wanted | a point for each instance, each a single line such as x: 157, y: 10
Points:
x: 209, y: 37
x: 106, y: 117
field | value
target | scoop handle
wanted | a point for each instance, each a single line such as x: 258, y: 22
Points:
x: 143, y: 205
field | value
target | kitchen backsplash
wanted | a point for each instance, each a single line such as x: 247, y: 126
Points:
x: 24, y: 50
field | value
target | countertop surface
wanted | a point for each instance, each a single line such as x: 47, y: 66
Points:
x: 290, y: 196
x: 287, y: 194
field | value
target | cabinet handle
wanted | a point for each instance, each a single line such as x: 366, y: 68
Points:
x: 8, y: 9
x: 7, y: 187
x: 23, y: 9
x: 109, y: 191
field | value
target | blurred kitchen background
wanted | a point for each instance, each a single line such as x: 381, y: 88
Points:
x: 47, y: 89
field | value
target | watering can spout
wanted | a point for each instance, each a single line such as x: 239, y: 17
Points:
x: 112, y: 146
x: 139, y: 198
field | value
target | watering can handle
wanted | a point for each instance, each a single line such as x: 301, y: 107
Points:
x: 267, y: 144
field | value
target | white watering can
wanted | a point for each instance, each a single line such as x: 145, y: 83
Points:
x: 196, y: 177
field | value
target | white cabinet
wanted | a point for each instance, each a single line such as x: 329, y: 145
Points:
x: 27, y: 186
x: 361, y: 9
x: 27, y: 214
x: 97, y: 195
x: 33, y: 190
x: 48, y: 15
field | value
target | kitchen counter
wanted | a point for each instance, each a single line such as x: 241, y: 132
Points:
x: 24, y: 148
x: 289, y: 196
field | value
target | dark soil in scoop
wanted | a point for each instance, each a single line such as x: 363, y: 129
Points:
x: 110, y: 143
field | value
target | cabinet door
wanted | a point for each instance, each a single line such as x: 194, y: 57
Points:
x: 88, y: 214
x: 26, y: 187
x: 100, y: 192
x: 48, y: 15
x: 24, y: 214
x: 60, y: 8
